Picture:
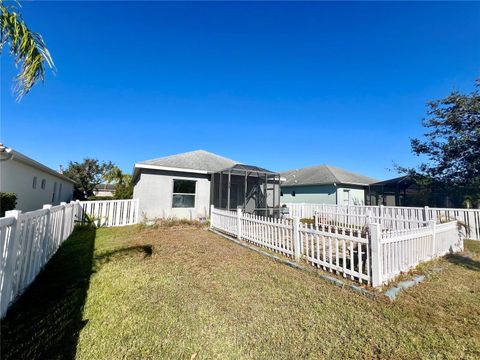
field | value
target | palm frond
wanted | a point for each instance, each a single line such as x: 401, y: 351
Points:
x: 28, y: 48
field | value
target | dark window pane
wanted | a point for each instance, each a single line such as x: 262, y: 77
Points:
x: 183, y: 201
x: 184, y: 186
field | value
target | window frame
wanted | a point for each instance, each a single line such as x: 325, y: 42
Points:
x: 34, y: 183
x: 194, y: 194
x: 43, y: 184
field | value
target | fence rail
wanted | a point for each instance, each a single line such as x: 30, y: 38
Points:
x: 335, y: 249
x: 391, y: 217
x: 368, y: 249
x: 29, y: 240
x: 111, y: 212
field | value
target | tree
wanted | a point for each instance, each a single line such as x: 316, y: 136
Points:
x: 123, y: 183
x: 26, y: 46
x: 451, y: 144
x: 87, y: 175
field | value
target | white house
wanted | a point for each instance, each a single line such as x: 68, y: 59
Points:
x: 184, y: 186
x: 34, y: 183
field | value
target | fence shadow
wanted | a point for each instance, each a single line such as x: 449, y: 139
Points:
x: 464, y: 261
x: 46, y: 320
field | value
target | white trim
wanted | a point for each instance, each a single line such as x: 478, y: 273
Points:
x: 194, y: 194
x: 168, y: 168
x: 28, y: 161
x: 329, y: 183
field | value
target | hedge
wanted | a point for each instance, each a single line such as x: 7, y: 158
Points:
x: 8, y: 201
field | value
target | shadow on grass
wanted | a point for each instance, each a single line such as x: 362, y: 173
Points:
x: 464, y: 261
x: 46, y: 320
x: 143, y: 250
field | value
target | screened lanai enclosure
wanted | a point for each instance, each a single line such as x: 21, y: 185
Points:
x: 255, y: 190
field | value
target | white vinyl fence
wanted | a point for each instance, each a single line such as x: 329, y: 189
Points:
x: 111, y: 212
x: 28, y: 240
x: 340, y: 250
x: 394, y: 252
x: 370, y: 252
x: 393, y: 217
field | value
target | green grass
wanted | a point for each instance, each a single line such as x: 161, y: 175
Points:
x: 159, y: 292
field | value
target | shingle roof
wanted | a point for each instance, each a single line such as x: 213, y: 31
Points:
x: 195, y: 160
x: 324, y: 174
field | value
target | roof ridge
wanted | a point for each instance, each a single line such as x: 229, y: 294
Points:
x: 303, y: 168
x: 191, y: 152
x: 331, y: 172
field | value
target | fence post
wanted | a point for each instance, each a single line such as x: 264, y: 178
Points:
x: 433, y: 225
x: 211, y: 216
x: 427, y: 214
x: 376, y: 249
x: 296, y: 238
x: 78, y: 211
x: 10, y: 261
x: 46, y: 239
x: 239, y: 223
x: 63, y: 220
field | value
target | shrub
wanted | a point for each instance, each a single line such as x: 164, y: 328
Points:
x: 8, y: 201
x: 97, y: 198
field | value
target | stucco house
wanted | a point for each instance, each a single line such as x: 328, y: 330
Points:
x: 324, y: 184
x: 184, y: 186
x: 34, y: 183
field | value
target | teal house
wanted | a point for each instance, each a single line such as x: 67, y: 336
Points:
x: 324, y: 184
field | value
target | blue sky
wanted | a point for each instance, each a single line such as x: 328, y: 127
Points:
x: 279, y: 85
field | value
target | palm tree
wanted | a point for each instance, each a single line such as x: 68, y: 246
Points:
x: 26, y: 46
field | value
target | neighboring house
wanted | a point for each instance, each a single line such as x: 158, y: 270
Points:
x: 104, y: 190
x: 324, y: 184
x: 34, y: 183
x: 181, y: 185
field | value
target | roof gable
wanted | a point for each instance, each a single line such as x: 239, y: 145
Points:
x: 198, y: 160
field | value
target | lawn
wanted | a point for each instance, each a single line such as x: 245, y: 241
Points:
x: 185, y: 293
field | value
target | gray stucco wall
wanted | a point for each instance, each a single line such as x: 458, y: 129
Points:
x: 17, y: 177
x: 314, y: 194
x: 154, y: 189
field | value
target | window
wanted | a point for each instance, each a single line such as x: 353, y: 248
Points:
x: 293, y: 193
x: 183, y: 193
x: 60, y: 192
x: 34, y: 184
x: 44, y: 183
x: 346, y: 197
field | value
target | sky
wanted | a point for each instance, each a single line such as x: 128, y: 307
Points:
x: 278, y: 85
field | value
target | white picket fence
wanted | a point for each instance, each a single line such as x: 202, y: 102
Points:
x: 340, y: 250
x: 391, y: 217
x: 28, y: 240
x: 366, y: 252
x: 394, y: 252
x: 111, y: 212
